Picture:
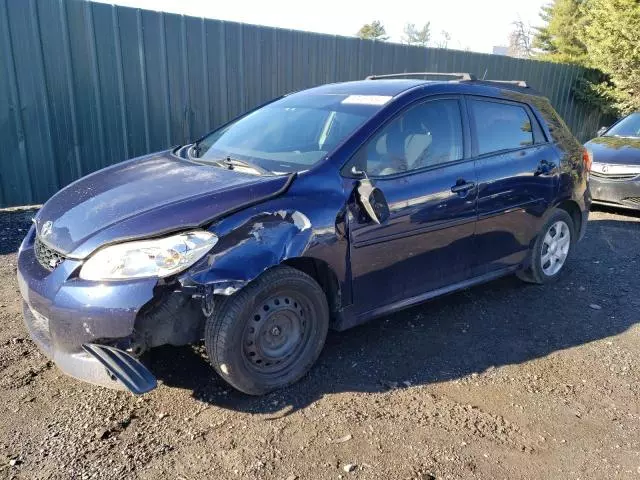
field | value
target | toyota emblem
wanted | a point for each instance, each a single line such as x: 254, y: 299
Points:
x: 46, y: 229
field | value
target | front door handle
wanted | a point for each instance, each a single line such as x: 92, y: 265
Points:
x: 462, y: 187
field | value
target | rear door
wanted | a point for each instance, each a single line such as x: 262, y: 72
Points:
x: 517, y: 171
x: 419, y: 162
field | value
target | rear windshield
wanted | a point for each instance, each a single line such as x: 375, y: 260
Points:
x: 627, y: 127
x: 291, y: 134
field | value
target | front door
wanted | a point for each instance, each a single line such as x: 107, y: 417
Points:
x: 418, y: 161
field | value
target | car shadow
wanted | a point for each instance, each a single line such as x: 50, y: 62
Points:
x: 505, y: 322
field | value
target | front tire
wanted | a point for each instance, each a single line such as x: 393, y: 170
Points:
x: 269, y: 334
x: 551, y: 249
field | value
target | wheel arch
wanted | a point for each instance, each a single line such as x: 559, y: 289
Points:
x: 574, y: 211
x: 263, y: 241
x: 324, y: 275
x: 568, y: 205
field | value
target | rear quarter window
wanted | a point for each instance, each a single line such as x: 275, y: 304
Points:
x: 560, y: 133
x: 557, y: 128
x: 500, y: 126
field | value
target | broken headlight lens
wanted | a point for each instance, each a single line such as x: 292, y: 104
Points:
x: 148, y: 258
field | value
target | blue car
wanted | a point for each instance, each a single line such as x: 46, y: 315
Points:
x: 322, y: 209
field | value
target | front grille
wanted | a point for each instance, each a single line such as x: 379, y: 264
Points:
x: 47, y: 257
x: 614, y: 177
x: 632, y: 200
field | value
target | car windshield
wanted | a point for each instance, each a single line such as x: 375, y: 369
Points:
x: 290, y: 134
x: 627, y: 127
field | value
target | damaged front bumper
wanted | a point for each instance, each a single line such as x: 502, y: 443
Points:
x: 98, y: 364
x: 77, y: 364
x: 85, y: 327
x: 63, y: 314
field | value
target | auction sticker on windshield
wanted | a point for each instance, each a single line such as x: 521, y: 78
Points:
x: 367, y: 99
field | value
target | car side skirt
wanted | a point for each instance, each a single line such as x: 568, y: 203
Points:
x: 347, y: 321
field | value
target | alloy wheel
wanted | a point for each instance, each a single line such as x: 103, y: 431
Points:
x: 555, y: 248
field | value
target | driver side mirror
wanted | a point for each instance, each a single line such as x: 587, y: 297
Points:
x: 601, y: 130
x: 372, y: 200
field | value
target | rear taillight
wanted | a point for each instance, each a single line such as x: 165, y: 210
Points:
x: 586, y: 159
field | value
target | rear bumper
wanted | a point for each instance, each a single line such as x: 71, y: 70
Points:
x: 622, y: 194
x: 584, y: 211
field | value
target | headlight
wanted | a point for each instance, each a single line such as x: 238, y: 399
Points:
x: 148, y: 258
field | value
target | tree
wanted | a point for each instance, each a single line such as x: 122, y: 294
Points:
x: 612, y: 40
x: 414, y: 36
x: 559, y: 40
x: 445, y: 38
x: 373, y: 31
x: 520, y: 40
x: 603, y: 36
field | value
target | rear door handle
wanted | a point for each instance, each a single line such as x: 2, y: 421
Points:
x: 462, y: 187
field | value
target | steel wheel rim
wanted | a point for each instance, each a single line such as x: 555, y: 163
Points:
x: 277, y: 334
x: 555, y: 248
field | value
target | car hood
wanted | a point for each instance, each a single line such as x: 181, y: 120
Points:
x: 615, y: 150
x: 143, y: 197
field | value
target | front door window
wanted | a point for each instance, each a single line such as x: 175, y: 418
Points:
x: 426, y: 135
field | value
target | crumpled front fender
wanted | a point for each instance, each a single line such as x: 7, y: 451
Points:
x: 246, y: 250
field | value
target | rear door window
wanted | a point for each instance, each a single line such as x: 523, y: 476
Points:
x: 500, y: 126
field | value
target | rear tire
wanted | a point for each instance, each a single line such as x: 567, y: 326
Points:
x: 551, y: 250
x: 269, y: 334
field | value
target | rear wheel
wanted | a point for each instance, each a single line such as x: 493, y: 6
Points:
x: 269, y: 334
x: 551, y: 250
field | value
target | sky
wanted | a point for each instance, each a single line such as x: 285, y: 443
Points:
x: 476, y: 25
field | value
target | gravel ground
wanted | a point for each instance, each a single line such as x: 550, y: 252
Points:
x: 504, y: 380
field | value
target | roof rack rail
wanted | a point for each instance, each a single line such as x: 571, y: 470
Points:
x: 462, y: 76
x: 518, y: 83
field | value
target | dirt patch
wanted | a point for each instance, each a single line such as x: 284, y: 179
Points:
x: 505, y: 380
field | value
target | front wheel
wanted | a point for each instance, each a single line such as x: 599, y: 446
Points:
x: 270, y: 333
x: 551, y: 249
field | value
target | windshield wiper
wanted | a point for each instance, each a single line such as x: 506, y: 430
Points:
x: 232, y: 163
x: 195, y: 148
x: 229, y: 163
x: 193, y: 151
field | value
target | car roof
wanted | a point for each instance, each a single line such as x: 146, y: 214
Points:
x: 394, y: 87
x: 365, y: 87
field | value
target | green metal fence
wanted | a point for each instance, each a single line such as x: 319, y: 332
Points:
x: 84, y: 85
